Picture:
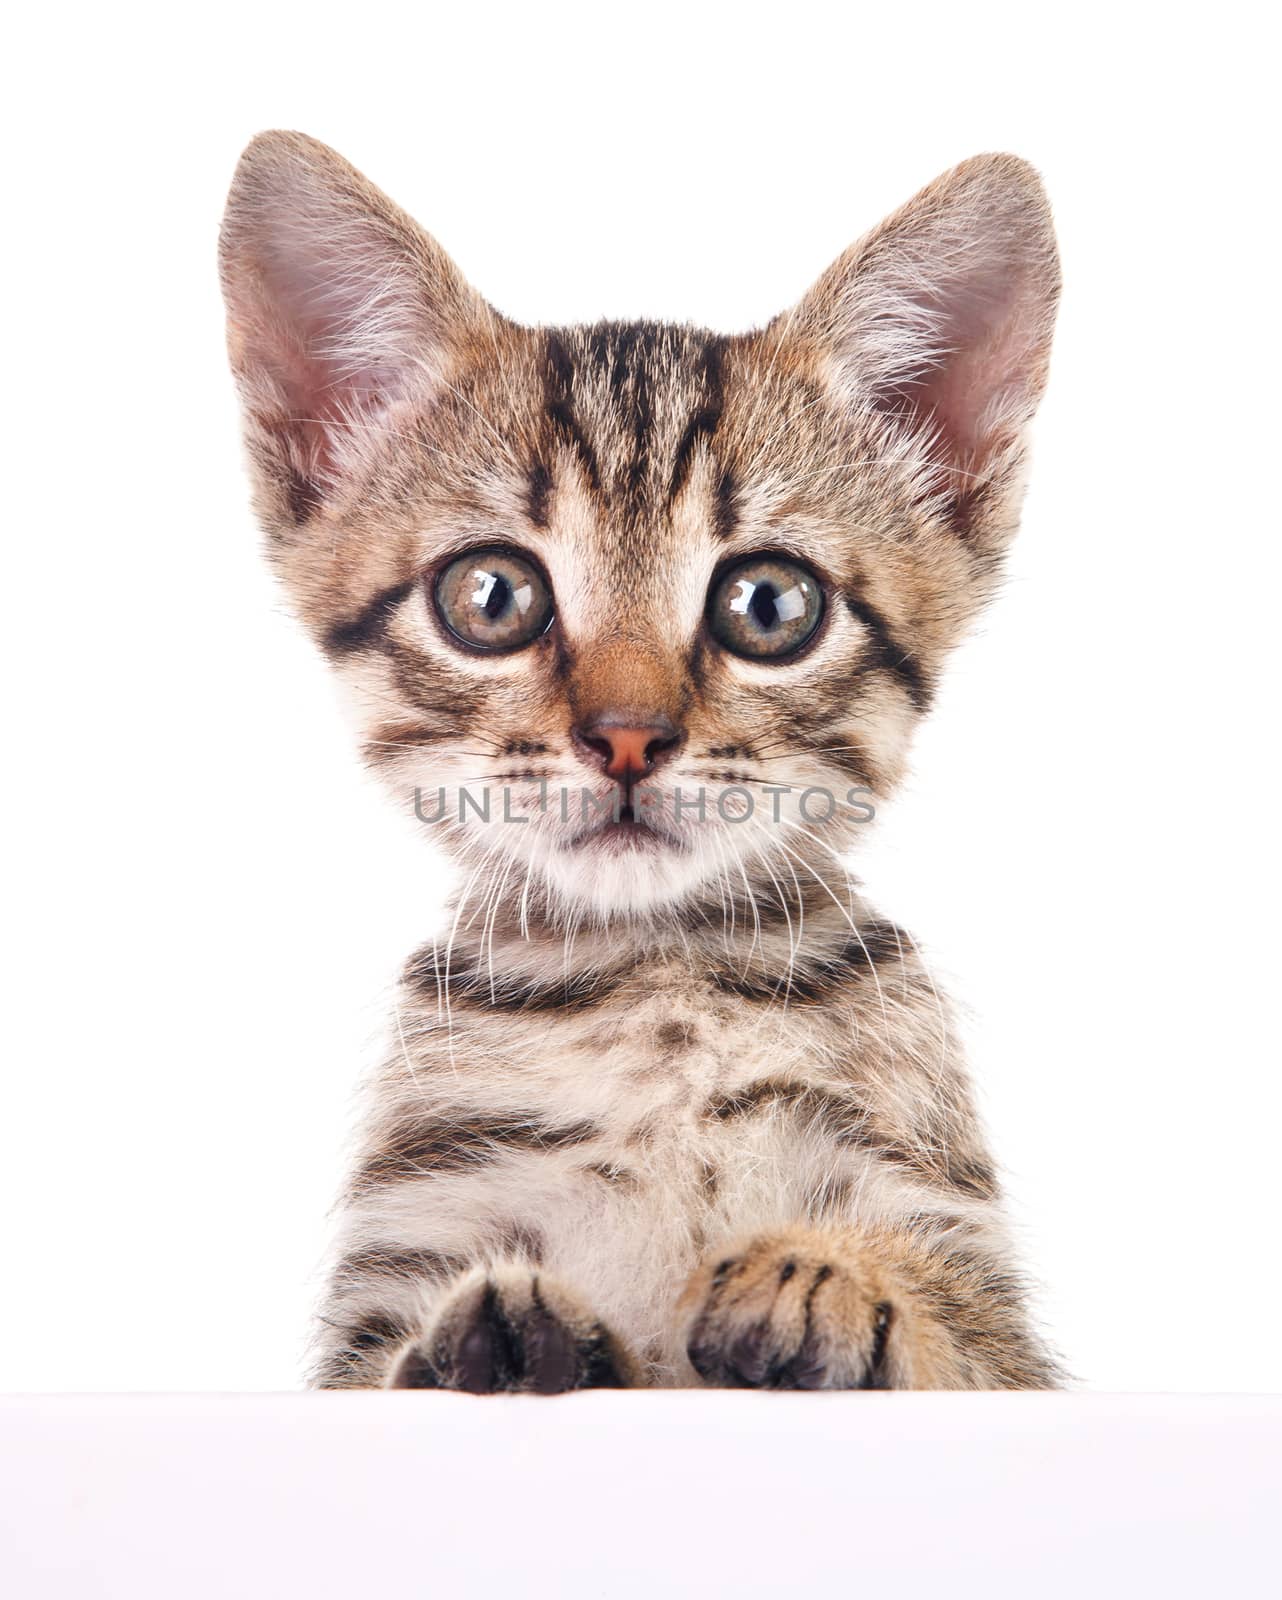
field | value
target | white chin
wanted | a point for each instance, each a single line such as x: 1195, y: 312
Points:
x: 611, y: 877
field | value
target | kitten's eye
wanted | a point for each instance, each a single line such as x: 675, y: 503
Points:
x: 765, y: 606
x: 494, y: 600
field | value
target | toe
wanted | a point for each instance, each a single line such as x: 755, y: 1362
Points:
x: 551, y: 1353
x: 749, y: 1356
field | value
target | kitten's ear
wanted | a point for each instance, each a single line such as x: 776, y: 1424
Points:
x: 941, y: 319
x: 342, y: 315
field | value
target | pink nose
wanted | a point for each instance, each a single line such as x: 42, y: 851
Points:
x: 628, y: 748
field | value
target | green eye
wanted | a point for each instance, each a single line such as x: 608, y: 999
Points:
x: 765, y: 607
x: 494, y: 600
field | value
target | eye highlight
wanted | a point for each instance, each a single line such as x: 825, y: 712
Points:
x: 765, y: 607
x: 492, y: 599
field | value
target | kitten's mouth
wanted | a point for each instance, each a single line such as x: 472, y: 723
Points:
x: 630, y: 830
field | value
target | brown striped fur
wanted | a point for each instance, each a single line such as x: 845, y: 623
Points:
x: 687, y: 1112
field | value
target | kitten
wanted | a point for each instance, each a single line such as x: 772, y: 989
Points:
x: 668, y: 1104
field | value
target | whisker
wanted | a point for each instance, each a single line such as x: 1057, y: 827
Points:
x: 854, y: 927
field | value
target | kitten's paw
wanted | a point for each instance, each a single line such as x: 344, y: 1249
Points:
x: 510, y: 1330
x: 797, y: 1309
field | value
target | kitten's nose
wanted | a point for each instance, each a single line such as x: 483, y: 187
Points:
x: 628, y: 748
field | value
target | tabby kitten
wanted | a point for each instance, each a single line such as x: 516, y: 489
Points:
x: 667, y: 1104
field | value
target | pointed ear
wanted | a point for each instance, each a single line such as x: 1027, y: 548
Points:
x: 342, y: 313
x: 940, y: 321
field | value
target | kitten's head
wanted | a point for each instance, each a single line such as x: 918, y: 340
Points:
x: 635, y: 588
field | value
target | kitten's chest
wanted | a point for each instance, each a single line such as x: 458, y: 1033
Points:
x: 650, y: 1069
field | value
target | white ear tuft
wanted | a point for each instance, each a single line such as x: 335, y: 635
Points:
x: 941, y: 318
x: 339, y: 308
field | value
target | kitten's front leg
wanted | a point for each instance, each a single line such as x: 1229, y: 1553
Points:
x: 844, y: 1308
x: 512, y: 1329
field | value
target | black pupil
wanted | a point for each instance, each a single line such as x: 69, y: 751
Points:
x: 762, y: 605
x: 498, y: 599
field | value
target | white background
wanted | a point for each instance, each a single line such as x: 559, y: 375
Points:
x: 335, y: 1495
x: 206, y: 899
